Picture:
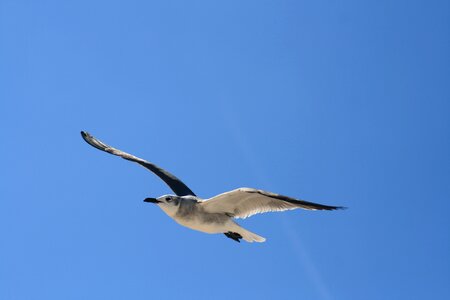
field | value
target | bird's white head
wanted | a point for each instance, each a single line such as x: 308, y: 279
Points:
x: 168, y: 203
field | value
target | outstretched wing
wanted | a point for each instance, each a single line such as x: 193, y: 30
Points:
x: 245, y: 202
x: 173, y: 182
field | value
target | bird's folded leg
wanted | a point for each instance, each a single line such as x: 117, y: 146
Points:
x: 233, y: 235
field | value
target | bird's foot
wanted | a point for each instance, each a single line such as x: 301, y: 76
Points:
x: 233, y: 235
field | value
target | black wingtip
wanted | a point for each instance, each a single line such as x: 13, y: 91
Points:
x: 86, y: 137
x: 340, y: 207
x: 326, y: 207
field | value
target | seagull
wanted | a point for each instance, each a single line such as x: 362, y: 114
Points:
x: 217, y: 214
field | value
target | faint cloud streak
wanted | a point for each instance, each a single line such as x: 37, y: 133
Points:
x: 252, y: 160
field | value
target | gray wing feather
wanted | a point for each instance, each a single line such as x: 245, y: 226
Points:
x: 177, y: 186
x: 245, y: 202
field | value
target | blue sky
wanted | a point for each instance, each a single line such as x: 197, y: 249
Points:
x: 337, y: 102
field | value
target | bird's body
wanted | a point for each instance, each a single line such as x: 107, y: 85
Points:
x: 191, y: 213
x: 217, y: 214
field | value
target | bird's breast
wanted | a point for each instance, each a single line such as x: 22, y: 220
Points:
x: 201, y: 221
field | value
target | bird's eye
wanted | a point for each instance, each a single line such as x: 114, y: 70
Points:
x: 168, y: 199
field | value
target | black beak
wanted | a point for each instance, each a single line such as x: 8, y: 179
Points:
x: 152, y: 200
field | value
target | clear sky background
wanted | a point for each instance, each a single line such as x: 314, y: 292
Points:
x: 337, y: 102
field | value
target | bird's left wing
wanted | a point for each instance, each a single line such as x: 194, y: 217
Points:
x: 171, y: 180
x: 245, y: 202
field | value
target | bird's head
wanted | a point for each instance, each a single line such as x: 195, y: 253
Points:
x: 168, y: 203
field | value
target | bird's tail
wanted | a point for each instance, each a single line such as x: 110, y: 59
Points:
x: 250, y: 236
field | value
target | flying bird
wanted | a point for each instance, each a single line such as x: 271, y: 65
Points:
x: 217, y: 214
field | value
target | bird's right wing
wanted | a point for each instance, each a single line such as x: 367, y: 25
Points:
x: 245, y: 202
x: 177, y: 186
